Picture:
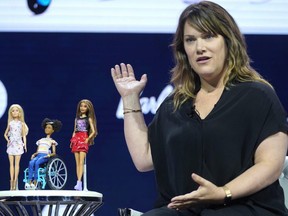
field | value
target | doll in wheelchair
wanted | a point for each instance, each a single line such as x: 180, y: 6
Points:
x: 52, y: 173
x: 44, y: 166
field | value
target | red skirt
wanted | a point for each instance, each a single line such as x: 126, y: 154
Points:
x: 78, y: 142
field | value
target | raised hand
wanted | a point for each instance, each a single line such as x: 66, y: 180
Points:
x: 125, y: 82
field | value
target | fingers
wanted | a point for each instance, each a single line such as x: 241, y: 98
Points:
x: 199, y: 180
x: 121, y: 71
x: 184, y: 201
x: 182, y: 198
x: 206, y: 193
x: 196, y: 178
x: 124, y: 70
x: 115, y: 72
x: 130, y: 70
x: 143, y: 79
x: 190, y: 198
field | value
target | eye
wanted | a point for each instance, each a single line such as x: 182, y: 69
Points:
x: 208, y: 36
x: 189, y: 39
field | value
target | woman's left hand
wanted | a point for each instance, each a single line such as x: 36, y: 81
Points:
x: 207, y: 192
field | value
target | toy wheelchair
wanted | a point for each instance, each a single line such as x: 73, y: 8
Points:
x: 53, y: 173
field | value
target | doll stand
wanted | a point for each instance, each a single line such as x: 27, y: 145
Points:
x: 53, y: 202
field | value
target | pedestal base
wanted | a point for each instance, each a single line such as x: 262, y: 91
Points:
x: 56, y: 202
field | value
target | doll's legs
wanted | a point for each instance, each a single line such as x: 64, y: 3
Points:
x: 41, y: 159
x: 11, y: 170
x: 79, y: 158
x: 14, y: 161
x: 16, y: 173
x: 78, y: 185
x: 80, y: 164
x: 31, y: 168
x: 34, y: 165
x: 29, y: 184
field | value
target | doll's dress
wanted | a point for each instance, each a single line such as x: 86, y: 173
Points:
x: 15, y: 146
x: 78, y: 142
x: 81, y: 134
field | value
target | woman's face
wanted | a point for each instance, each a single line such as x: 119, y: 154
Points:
x: 206, y: 53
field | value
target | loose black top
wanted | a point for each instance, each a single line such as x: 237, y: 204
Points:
x: 219, y: 147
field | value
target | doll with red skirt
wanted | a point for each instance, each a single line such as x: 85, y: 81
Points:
x: 85, y: 131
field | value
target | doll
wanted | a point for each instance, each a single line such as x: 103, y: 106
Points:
x: 85, y: 130
x: 15, y: 134
x: 43, y: 152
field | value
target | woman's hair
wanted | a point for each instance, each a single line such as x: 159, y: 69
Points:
x: 21, y: 116
x: 90, y: 114
x: 56, y: 124
x: 209, y: 17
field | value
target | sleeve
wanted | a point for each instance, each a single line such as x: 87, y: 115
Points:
x: 275, y: 117
x: 54, y: 143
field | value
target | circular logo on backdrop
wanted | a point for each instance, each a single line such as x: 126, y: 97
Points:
x: 38, y: 6
x: 3, y: 99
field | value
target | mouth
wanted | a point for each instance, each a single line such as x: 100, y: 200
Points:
x: 203, y: 59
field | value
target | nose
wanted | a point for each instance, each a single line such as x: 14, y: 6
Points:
x: 200, y: 45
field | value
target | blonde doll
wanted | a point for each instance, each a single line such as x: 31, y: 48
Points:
x: 15, y: 134
x: 85, y: 130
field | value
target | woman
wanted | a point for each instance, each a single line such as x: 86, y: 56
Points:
x: 217, y: 144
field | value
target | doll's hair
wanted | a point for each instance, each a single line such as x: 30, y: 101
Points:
x: 21, y: 116
x: 56, y: 124
x: 90, y: 114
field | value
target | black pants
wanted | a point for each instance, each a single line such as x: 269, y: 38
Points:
x: 235, y: 210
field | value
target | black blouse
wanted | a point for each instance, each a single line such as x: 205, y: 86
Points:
x: 219, y: 147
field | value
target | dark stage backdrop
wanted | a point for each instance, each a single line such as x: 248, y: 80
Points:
x: 48, y: 73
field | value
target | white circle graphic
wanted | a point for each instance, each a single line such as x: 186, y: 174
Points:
x: 3, y: 99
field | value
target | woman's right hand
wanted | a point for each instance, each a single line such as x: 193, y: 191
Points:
x: 125, y: 82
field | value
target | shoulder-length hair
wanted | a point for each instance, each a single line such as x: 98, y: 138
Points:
x: 209, y: 17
